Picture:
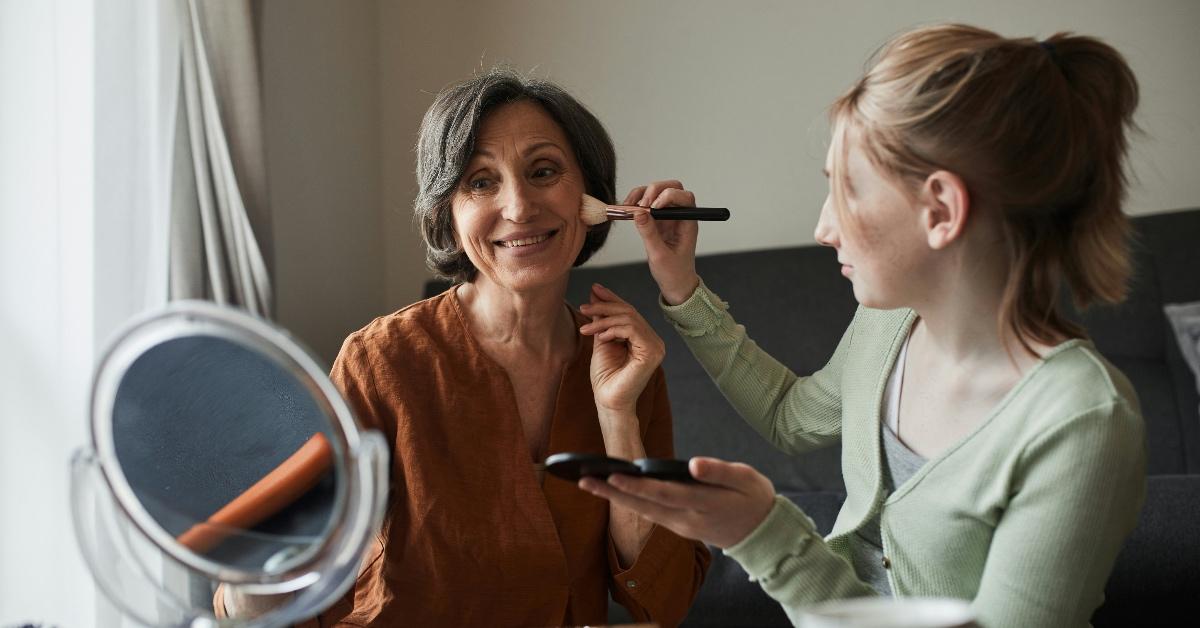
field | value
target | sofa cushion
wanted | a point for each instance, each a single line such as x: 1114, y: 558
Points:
x: 1152, y: 379
x: 1155, y: 580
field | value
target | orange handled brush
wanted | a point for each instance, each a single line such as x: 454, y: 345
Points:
x: 277, y: 489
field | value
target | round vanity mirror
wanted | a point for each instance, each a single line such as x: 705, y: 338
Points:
x: 222, y: 455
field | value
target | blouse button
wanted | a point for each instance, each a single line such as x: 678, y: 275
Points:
x: 887, y: 563
x: 632, y: 584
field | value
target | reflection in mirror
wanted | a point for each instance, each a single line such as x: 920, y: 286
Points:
x: 227, y: 452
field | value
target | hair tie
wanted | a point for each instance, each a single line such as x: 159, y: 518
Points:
x: 1049, y: 48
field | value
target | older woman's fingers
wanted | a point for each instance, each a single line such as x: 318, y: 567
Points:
x: 674, y: 197
x: 606, y: 308
x: 609, y: 316
x: 640, y: 337
x: 604, y: 323
x: 626, y: 332
x: 634, y: 195
x: 654, y: 189
x: 635, y: 323
x: 600, y: 322
x: 605, y: 293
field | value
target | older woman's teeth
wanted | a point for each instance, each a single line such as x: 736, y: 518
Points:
x: 525, y: 241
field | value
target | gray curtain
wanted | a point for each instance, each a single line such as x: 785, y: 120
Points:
x: 220, y: 229
x: 220, y: 216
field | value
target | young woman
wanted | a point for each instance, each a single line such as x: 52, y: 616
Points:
x: 989, y: 452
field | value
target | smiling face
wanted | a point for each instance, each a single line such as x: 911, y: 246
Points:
x: 516, y: 210
x: 878, y: 234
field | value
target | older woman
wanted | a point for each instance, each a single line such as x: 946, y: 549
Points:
x: 476, y: 386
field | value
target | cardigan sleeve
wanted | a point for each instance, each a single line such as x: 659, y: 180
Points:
x: 1076, y: 496
x: 796, y: 414
x: 662, y: 582
x: 788, y: 558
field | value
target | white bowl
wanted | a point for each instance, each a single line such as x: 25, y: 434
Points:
x: 886, y: 612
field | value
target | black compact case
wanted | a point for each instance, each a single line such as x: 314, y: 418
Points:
x: 572, y: 466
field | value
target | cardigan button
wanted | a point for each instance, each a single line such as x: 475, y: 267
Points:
x: 887, y: 563
x: 632, y: 584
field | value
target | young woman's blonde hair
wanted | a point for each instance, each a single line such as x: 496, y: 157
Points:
x: 1036, y: 130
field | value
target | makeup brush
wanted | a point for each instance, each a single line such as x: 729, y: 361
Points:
x: 593, y: 211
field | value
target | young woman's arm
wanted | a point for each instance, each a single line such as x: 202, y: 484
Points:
x: 794, y: 413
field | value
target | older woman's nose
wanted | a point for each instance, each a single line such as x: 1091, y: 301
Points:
x: 826, y: 233
x: 519, y: 202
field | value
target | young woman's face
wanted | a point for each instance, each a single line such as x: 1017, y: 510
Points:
x: 883, y: 249
x: 516, y: 210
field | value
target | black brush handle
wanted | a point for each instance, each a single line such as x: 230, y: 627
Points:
x: 690, y: 213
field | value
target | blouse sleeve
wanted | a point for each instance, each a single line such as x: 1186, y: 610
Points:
x: 353, y: 375
x: 664, y: 579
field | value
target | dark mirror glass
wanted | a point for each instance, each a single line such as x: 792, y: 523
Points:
x: 227, y: 452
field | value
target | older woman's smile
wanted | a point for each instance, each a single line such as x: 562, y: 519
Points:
x: 526, y: 240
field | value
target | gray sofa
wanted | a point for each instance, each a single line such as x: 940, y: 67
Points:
x: 796, y: 305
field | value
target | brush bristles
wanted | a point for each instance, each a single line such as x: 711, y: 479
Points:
x: 592, y: 211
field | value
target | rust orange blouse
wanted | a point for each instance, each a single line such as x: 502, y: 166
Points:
x: 471, y: 537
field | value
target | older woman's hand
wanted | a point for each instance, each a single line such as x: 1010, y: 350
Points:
x: 670, y: 244
x: 625, y: 351
x: 732, y: 500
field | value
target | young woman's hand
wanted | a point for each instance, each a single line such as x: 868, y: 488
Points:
x: 670, y: 244
x: 732, y: 500
x: 625, y: 350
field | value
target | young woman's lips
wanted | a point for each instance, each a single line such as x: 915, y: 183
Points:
x: 531, y: 245
x: 846, y: 270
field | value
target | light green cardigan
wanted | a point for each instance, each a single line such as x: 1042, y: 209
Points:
x: 1025, y: 516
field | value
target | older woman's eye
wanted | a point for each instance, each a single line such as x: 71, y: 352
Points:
x: 479, y: 183
x: 544, y: 172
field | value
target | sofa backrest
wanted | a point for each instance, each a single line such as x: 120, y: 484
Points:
x: 795, y: 304
x: 1137, y: 338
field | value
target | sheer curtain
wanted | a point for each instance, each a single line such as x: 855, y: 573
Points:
x: 82, y: 248
x: 94, y: 204
x: 220, y: 220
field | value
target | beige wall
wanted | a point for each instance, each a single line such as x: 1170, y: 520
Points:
x: 321, y: 101
x: 727, y: 96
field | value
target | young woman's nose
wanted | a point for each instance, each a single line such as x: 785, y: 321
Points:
x: 519, y: 202
x: 826, y: 233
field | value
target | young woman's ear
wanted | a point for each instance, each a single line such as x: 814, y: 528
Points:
x: 947, y: 204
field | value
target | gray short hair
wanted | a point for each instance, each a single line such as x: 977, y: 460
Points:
x: 447, y: 139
